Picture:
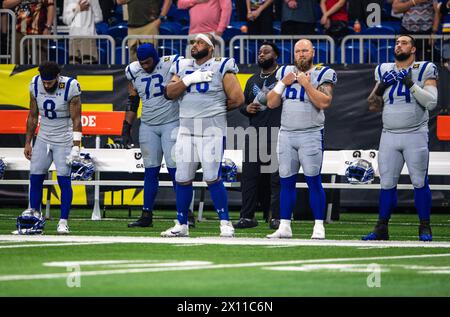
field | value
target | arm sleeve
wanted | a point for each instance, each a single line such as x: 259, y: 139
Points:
x: 69, y: 13
x: 430, y: 72
x: 98, y: 15
x: 225, y: 15
x: 378, y: 73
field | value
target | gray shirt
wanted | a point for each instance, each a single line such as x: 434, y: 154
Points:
x: 305, y: 12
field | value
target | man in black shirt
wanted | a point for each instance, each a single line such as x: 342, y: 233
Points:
x: 260, y: 180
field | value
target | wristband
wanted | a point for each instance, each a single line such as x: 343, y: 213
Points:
x: 77, y: 136
x: 279, y: 87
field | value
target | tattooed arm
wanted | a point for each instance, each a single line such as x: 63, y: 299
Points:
x: 375, y: 101
x: 75, y: 114
x: 32, y: 122
x: 322, y: 96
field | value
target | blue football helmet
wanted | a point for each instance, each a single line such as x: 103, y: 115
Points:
x: 228, y: 170
x: 30, y: 222
x: 2, y: 168
x: 360, y: 171
x: 83, y: 168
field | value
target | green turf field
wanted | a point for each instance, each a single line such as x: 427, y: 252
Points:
x: 105, y: 258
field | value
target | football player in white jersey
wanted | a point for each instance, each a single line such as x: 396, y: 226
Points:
x: 207, y: 87
x: 305, y: 91
x: 405, y: 92
x: 56, y: 99
x: 147, y: 78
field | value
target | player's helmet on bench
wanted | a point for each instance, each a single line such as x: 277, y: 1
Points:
x: 2, y: 168
x: 83, y: 168
x: 360, y: 171
x: 30, y: 222
x: 228, y: 170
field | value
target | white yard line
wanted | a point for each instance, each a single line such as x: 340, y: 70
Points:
x: 50, y: 244
x: 204, y: 267
x: 226, y: 241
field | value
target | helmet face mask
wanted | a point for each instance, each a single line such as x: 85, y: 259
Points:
x: 83, y: 168
x: 228, y: 170
x: 360, y: 171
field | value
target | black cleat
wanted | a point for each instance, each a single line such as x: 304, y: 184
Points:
x: 274, y: 224
x: 191, y: 219
x: 245, y: 223
x: 425, y: 231
x: 146, y: 220
x: 380, y: 232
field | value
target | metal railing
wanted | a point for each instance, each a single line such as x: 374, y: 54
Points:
x: 376, y: 49
x: 7, y: 37
x: 65, y: 49
x: 244, y: 48
x: 169, y: 45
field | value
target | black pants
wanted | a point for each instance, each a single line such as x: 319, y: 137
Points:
x: 298, y: 28
x: 259, y: 191
x: 263, y: 24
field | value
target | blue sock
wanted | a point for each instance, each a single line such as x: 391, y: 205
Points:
x: 172, y: 172
x: 36, y: 185
x: 388, y: 202
x: 219, y: 197
x: 184, y: 197
x: 150, y: 187
x: 66, y: 195
x: 288, y: 196
x: 422, y: 199
x: 317, y: 198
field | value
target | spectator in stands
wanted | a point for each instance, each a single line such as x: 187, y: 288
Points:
x: 357, y: 9
x: 3, y: 32
x: 259, y: 17
x: 334, y: 18
x: 144, y: 18
x: 444, y: 16
x: 298, y: 17
x: 207, y: 16
x: 421, y: 17
x: 260, y: 183
x: 34, y: 17
x: 108, y: 8
x: 81, y: 16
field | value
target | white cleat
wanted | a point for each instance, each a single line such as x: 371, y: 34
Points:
x: 178, y: 230
x: 63, y: 228
x: 318, y: 232
x: 284, y: 231
x: 226, y: 229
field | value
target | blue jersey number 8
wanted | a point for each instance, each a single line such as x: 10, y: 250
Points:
x: 49, y: 109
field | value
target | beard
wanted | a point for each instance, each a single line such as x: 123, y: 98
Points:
x: 200, y: 54
x: 402, y: 56
x: 52, y: 89
x: 268, y: 63
x: 303, y: 65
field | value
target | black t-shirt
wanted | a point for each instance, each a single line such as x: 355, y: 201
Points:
x: 266, y: 117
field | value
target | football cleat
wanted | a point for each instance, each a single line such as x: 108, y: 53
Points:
x: 62, y: 228
x: 274, y: 224
x: 425, y: 232
x: 380, y: 232
x: 226, y: 229
x: 318, y: 232
x: 191, y: 219
x: 143, y: 221
x: 245, y: 223
x: 284, y: 232
x: 178, y: 230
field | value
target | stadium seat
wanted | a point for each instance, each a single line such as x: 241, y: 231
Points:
x: 230, y: 32
x: 173, y: 27
x: 285, y: 56
x: 184, y: 30
x: 352, y: 54
x: 164, y: 30
x: 119, y: 56
x: 118, y: 33
x: 384, y: 54
x: 180, y: 16
x: 58, y: 54
x: 379, y: 30
x: 167, y: 50
x: 101, y: 28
